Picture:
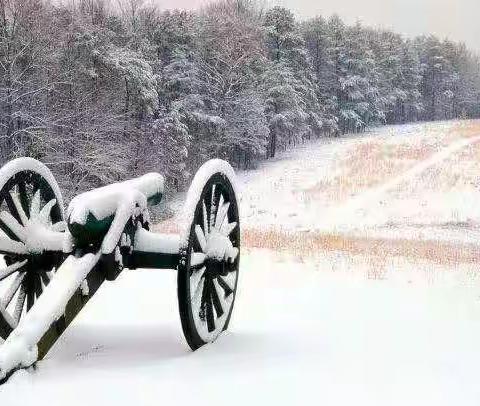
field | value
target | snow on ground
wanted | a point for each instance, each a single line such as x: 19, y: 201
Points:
x: 384, y: 310
x: 383, y: 184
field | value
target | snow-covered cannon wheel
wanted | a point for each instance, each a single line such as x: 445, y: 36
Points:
x: 31, y: 214
x: 209, y: 254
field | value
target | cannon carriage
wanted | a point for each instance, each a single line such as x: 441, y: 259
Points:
x: 55, y: 260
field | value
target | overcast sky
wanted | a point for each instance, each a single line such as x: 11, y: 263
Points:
x: 458, y: 20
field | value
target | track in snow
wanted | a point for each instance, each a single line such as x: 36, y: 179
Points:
x: 344, y: 212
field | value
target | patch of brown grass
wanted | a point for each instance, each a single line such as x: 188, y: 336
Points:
x: 465, y: 129
x: 460, y: 170
x: 368, y: 165
x: 443, y: 253
x: 472, y: 153
x: 374, y: 162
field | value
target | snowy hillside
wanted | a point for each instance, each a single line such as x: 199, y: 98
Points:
x: 359, y: 285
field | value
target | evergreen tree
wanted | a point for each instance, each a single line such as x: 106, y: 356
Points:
x: 104, y: 93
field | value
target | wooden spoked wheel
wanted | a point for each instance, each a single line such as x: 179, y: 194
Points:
x: 209, y: 263
x: 31, y: 221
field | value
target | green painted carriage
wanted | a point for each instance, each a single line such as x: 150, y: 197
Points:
x: 53, y: 261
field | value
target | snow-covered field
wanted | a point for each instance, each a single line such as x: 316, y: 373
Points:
x: 359, y: 285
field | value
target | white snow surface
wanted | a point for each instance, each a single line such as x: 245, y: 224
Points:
x: 324, y: 327
x: 412, y: 204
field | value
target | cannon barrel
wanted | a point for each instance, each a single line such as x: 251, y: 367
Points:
x: 91, y: 214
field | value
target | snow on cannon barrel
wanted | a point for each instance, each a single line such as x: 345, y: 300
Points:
x: 51, y: 270
x: 91, y: 214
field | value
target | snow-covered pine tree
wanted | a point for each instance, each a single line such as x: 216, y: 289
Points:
x: 103, y: 93
x: 317, y: 43
x: 436, y: 77
x: 350, y: 84
x: 289, y: 76
x: 286, y: 116
x: 410, y: 108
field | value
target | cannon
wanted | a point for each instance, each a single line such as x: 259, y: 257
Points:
x: 52, y: 260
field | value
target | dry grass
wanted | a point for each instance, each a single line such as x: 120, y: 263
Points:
x: 472, y: 153
x: 465, y: 129
x: 369, y: 164
x: 460, y: 170
x: 312, y: 243
x: 374, y: 162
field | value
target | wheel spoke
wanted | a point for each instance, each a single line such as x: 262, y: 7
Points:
x: 20, y: 304
x: 219, y: 206
x: 205, y: 218
x: 203, y: 301
x: 197, y: 259
x: 60, y: 226
x: 231, y: 266
x: 38, y: 286
x: 217, y: 303
x: 35, y: 206
x: 225, y: 299
x: 233, y: 256
x: 200, y: 237
x: 197, y: 296
x: 44, y: 214
x: 30, y: 293
x: 209, y: 307
x: 11, y: 269
x: 19, y: 208
x: 212, y: 209
x: 10, y: 293
x: 13, y: 225
x: 227, y: 228
x: 44, y: 277
x: 195, y: 280
x: 8, y: 233
x: 225, y: 285
x: 11, y: 247
x: 22, y: 191
x: 12, y: 207
x: 221, y: 215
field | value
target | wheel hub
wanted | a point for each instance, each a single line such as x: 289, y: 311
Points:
x: 215, y: 267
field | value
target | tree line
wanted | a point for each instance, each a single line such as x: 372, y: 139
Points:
x: 102, y: 92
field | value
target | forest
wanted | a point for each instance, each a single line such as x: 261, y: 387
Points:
x: 105, y: 91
